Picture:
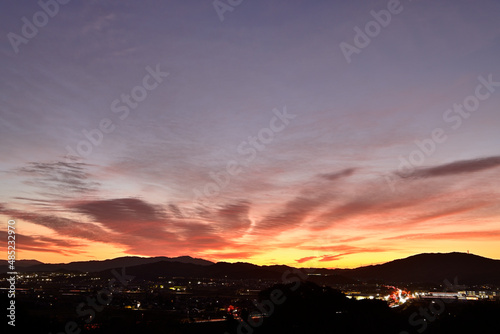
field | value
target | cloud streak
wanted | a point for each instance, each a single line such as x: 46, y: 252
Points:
x: 58, y: 179
x: 456, y: 168
x: 338, y: 175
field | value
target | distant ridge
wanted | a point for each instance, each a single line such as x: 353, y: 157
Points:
x: 100, y: 265
x: 22, y: 263
x: 432, y: 268
x: 423, y: 268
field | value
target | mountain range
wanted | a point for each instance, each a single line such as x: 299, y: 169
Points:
x: 96, y: 266
x: 421, y: 268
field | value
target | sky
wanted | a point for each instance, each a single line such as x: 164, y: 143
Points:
x: 308, y: 133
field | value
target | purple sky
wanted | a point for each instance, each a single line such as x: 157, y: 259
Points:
x: 326, y: 183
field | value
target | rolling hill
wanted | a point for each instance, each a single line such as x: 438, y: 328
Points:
x: 96, y: 266
x: 423, y: 268
x: 431, y: 267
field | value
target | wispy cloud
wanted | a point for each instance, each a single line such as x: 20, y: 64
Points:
x: 328, y: 258
x: 338, y: 175
x: 44, y: 244
x: 58, y: 179
x: 292, y: 215
x: 306, y: 259
x: 118, y: 210
x: 234, y: 217
x: 456, y: 168
x: 61, y: 225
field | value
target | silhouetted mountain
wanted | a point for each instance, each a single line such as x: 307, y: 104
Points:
x: 95, y: 266
x: 242, y: 270
x: 21, y: 263
x: 431, y: 267
x: 163, y: 269
x: 218, y: 270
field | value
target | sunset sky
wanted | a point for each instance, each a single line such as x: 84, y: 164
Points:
x: 248, y: 132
